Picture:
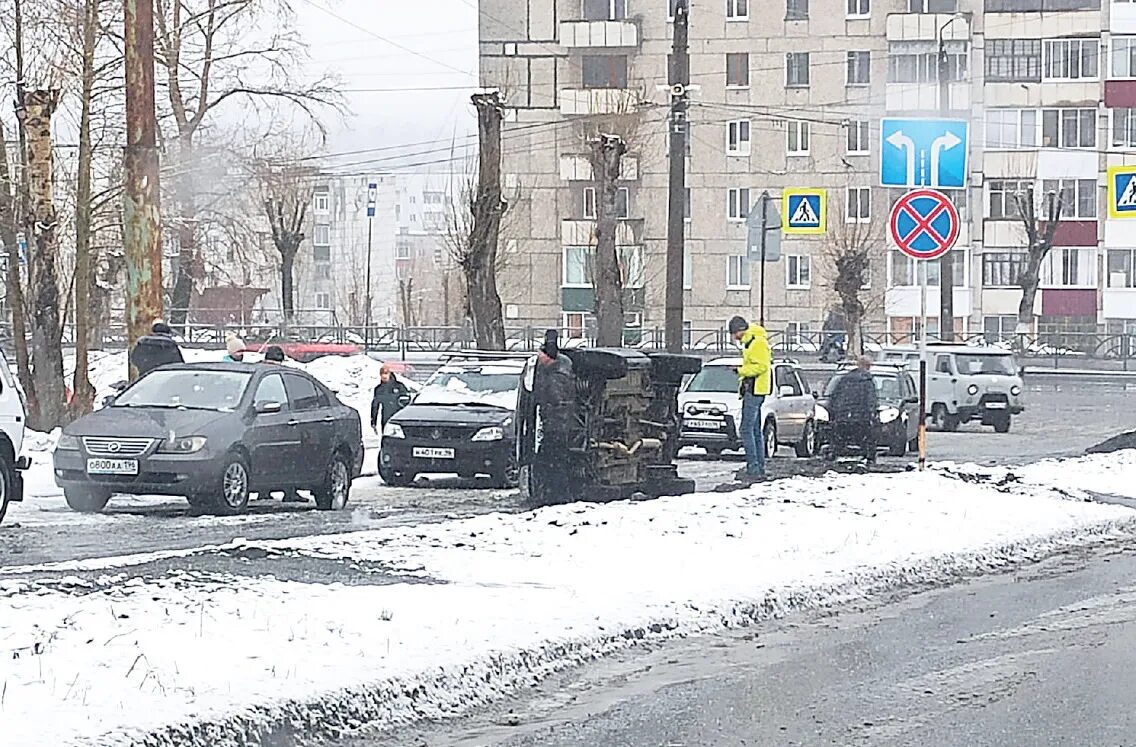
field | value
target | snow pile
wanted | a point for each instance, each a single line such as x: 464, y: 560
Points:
x: 481, y: 606
x: 1080, y: 477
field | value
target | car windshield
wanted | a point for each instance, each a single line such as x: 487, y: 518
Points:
x: 986, y: 363
x: 714, y: 379
x: 493, y: 386
x: 187, y: 389
x: 887, y: 385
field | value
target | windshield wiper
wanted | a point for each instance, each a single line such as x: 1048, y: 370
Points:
x: 158, y: 406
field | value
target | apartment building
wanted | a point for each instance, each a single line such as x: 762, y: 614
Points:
x: 429, y: 282
x: 790, y: 95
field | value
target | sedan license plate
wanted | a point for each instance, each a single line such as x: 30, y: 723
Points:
x: 995, y: 405
x: 428, y: 452
x: 708, y: 425
x: 112, y: 466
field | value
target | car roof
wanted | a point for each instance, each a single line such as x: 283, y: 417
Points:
x: 237, y: 367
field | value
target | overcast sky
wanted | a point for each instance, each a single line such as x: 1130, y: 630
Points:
x: 352, y: 39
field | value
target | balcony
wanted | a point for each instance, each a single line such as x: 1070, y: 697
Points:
x: 903, y: 97
x: 597, y: 100
x: 582, y: 232
x: 904, y: 301
x: 925, y: 27
x: 577, y: 168
x: 578, y: 34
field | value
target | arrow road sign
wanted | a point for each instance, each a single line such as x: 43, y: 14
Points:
x: 924, y: 224
x: 805, y: 211
x: 923, y: 153
x: 1122, y: 191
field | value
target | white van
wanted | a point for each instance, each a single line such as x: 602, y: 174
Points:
x: 966, y: 382
x: 13, y: 417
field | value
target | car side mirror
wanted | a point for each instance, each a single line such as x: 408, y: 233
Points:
x: 911, y: 401
x: 787, y: 391
x: 816, y: 395
x: 268, y: 406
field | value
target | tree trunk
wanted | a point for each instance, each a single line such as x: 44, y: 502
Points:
x: 488, y: 206
x: 287, y: 276
x: 83, y: 394
x: 1028, y: 280
x: 606, y: 153
x: 15, y: 287
x: 40, y: 224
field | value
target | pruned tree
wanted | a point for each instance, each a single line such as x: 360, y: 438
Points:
x: 286, y: 193
x: 1040, y: 226
x: 848, y: 251
x: 606, y: 156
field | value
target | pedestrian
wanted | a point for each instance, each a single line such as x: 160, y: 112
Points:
x: 155, y: 349
x: 388, y: 398
x: 274, y: 354
x: 755, y: 379
x: 854, y: 408
x: 554, y: 392
x: 234, y: 349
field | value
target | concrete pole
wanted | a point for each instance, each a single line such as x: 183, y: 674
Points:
x: 676, y: 209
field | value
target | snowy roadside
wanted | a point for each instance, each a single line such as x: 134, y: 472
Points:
x: 481, y: 606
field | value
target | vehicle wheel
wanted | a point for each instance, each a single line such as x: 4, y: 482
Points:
x: 1001, y: 425
x: 714, y: 452
x: 86, y: 500
x: 6, y: 469
x: 199, y: 500
x: 396, y: 479
x: 806, y: 447
x: 333, y: 493
x: 232, y: 496
x: 913, y: 445
x: 944, y: 421
x: 769, y: 436
x: 509, y: 478
x: 898, y: 448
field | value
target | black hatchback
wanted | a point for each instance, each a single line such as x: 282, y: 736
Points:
x: 214, y: 433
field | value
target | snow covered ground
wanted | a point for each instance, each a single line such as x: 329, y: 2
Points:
x: 450, y: 615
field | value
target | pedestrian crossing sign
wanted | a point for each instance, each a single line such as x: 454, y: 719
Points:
x: 804, y: 211
x: 1122, y: 191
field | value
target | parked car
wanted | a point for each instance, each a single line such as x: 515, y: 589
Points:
x: 711, y: 409
x: 13, y: 417
x: 967, y: 382
x: 898, y: 396
x: 214, y: 433
x: 461, y: 421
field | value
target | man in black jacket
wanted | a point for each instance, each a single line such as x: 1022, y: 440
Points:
x: 388, y: 397
x: 854, y: 407
x: 554, y: 392
x: 155, y: 349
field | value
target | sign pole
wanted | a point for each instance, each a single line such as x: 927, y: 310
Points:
x: 923, y: 366
x: 764, y: 229
x: 372, y: 198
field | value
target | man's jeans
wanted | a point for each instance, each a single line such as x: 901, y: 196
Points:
x: 752, y: 439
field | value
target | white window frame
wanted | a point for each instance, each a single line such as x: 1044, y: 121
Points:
x: 798, y: 272
x: 737, y: 204
x: 318, y: 240
x: 1119, y: 43
x: 323, y: 270
x: 858, y: 9
x: 321, y: 203
x: 862, y: 129
x: 860, y: 216
x: 1080, y: 188
x: 789, y: 57
x: 1124, y: 117
x: 687, y: 268
x: 591, y: 208
x: 800, y: 14
x: 564, y: 251
x: 1027, y: 135
x: 732, y: 8
x: 740, y: 262
x: 1054, y: 267
x: 861, y: 61
x: 687, y: 204
x: 1130, y: 273
x: 323, y: 300
x: 736, y: 145
x: 738, y: 86
x: 613, y: 6
x: 802, y: 132
x: 1066, y: 58
x: 1061, y: 127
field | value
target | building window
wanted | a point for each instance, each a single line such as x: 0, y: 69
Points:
x: 905, y: 271
x: 687, y: 268
x: 321, y: 203
x: 859, y: 68
x: 686, y: 203
x: 605, y: 71
x: 737, y: 9
x: 918, y: 62
x: 323, y: 300
x: 859, y: 8
x: 858, y: 204
x: 1124, y: 128
x: 1078, y: 197
x: 433, y: 198
x: 858, y: 143
x: 797, y: 335
x: 632, y: 271
x: 737, y: 70
x: 402, y: 250
x: 1069, y: 128
x: 797, y: 69
x: 796, y: 10
x: 1002, y: 269
x: 737, y: 272
x: 1071, y: 59
x: 932, y: 6
x: 1002, y: 202
x: 323, y: 270
x: 798, y: 133
x: 578, y: 266
x: 1069, y: 268
x: 1011, y: 128
x: 605, y: 10
x: 1000, y: 328
x: 798, y: 269
x: 1120, y: 268
x: 321, y: 253
x: 902, y: 269
x: 737, y: 203
x: 1123, y: 57
x: 622, y: 203
x: 321, y: 234
x: 1013, y: 60
x: 737, y: 137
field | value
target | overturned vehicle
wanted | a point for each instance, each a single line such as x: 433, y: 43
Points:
x: 622, y: 437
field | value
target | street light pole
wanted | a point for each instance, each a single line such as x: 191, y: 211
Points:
x: 946, y: 262
x: 372, y: 194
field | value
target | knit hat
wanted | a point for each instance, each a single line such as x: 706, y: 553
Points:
x: 274, y: 353
x: 551, y: 346
x: 161, y: 328
x: 738, y: 324
x: 234, y: 344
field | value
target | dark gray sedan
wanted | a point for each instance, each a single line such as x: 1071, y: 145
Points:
x: 214, y: 433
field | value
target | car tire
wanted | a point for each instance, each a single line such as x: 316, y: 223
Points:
x: 396, y: 479
x: 714, y: 452
x: 508, y: 478
x: 7, y: 480
x: 86, y: 500
x: 199, y: 500
x: 769, y: 438
x: 232, y: 495
x: 944, y: 421
x: 806, y: 447
x: 1001, y: 424
x: 333, y: 493
x: 898, y: 447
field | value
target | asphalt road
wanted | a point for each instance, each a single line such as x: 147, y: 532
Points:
x: 1042, y: 656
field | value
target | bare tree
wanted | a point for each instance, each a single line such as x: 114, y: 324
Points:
x: 1040, y: 229
x: 849, y: 248
x: 286, y: 193
x: 606, y: 157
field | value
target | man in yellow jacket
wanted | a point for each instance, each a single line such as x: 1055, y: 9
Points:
x: 755, y: 380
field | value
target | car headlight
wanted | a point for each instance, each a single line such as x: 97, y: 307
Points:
x: 186, y: 445
x: 1015, y: 390
x: 393, y: 430
x: 490, y: 433
x: 821, y: 414
x: 67, y: 443
x: 888, y: 414
x: 972, y: 389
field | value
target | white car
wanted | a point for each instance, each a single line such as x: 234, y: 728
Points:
x: 711, y: 409
x: 13, y: 417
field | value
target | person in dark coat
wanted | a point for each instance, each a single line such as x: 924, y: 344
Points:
x: 388, y: 398
x: 854, y: 406
x: 274, y: 354
x: 155, y: 349
x: 554, y: 392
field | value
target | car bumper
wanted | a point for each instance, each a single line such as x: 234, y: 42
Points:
x: 158, y: 474
x: 489, y: 457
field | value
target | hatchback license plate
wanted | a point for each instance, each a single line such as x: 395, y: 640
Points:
x: 712, y: 425
x: 995, y: 405
x: 112, y: 466
x: 426, y: 452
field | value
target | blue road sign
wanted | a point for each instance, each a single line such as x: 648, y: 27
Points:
x: 372, y: 195
x: 804, y: 211
x: 923, y: 153
x: 1122, y: 191
x: 924, y: 224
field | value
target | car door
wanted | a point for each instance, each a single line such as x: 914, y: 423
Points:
x: 273, y: 443
x: 940, y: 381
x: 911, y: 392
x: 787, y: 391
x: 314, y: 426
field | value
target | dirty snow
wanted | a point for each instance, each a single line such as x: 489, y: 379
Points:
x: 491, y: 603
